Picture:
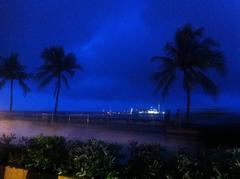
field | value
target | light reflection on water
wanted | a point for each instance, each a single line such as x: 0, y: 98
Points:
x: 109, y: 133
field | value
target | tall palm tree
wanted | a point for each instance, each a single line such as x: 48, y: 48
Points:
x: 11, y: 70
x: 57, y: 67
x: 193, y: 55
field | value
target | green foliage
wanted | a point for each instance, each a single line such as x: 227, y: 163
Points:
x: 6, y: 147
x: 46, y: 154
x: 209, y: 164
x: 95, y: 159
x: 146, y: 161
x: 7, y: 139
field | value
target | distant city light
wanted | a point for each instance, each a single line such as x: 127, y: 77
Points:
x: 152, y: 111
x: 131, y: 111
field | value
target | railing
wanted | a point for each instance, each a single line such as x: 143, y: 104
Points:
x: 78, y: 116
x: 197, y: 114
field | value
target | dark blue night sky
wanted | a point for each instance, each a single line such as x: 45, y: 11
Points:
x: 114, y: 41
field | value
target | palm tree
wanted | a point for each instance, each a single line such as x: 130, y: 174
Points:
x: 11, y: 70
x: 193, y: 55
x: 57, y: 67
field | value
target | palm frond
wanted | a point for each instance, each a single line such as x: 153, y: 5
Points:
x: 161, y: 58
x: 2, y: 83
x: 41, y: 74
x: 170, y: 50
x: 217, y: 62
x: 70, y: 63
x: 166, y: 74
x: 168, y: 83
x: 23, y: 75
x: 162, y: 73
x: 207, y: 84
x: 24, y: 86
x: 209, y: 59
x: 164, y: 78
x: 46, y: 81
x: 53, y: 54
x: 70, y: 72
x: 164, y: 83
x: 209, y: 43
x: 198, y: 33
x: 65, y: 81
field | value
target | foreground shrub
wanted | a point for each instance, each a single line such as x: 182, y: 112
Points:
x: 234, y: 164
x: 146, y: 161
x: 95, y: 159
x: 209, y: 164
x: 6, y: 147
x: 47, y: 154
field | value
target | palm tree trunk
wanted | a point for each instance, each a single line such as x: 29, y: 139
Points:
x: 11, y: 95
x: 57, y: 95
x: 188, y: 104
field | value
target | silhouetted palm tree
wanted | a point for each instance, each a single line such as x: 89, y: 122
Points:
x: 11, y: 70
x: 192, y: 54
x: 57, y: 66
